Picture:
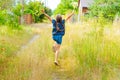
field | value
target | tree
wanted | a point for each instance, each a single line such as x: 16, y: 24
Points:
x: 65, y: 6
x: 33, y: 8
x: 107, y: 8
x: 6, y: 15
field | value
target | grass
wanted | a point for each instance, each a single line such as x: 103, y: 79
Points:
x: 85, y: 55
x: 97, y: 54
x: 10, y: 42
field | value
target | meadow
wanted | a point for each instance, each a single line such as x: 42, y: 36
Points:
x: 89, y: 52
x: 11, y: 41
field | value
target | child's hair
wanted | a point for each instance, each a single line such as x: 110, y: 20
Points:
x: 59, y: 18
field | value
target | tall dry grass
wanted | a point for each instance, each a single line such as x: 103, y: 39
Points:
x: 10, y: 42
x: 87, y: 53
x: 97, y: 55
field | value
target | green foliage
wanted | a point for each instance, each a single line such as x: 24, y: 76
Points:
x: 108, y: 9
x: 10, y: 15
x: 12, y: 21
x: 6, y: 15
x: 66, y: 6
x: 17, y: 10
x: 33, y: 8
x: 2, y: 19
x: 8, y: 18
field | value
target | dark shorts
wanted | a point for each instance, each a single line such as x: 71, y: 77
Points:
x: 57, y: 39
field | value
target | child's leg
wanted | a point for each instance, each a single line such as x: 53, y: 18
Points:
x: 57, y: 52
x: 54, y: 47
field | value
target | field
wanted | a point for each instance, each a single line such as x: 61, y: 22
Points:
x: 88, y: 52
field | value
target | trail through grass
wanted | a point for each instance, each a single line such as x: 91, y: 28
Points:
x: 10, y: 42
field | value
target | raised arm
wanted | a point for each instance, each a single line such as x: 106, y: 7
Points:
x: 69, y: 16
x: 47, y: 15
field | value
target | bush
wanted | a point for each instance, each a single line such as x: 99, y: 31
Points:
x: 33, y: 8
x: 8, y: 18
x: 2, y: 17
x: 65, y: 6
x: 108, y: 9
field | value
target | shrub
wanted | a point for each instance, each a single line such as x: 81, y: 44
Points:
x: 108, y: 9
x: 2, y: 17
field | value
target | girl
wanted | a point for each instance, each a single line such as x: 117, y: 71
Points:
x: 58, y: 32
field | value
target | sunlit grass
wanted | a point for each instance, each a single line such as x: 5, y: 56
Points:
x: 10, y: 42
x: 97, y: 55
x: 85, y: 54
x: 12, y: 39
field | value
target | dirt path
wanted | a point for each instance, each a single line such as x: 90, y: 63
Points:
x: 33, y: 39
x: 36, y: 36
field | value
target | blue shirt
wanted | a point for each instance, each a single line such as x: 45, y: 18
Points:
x: 61, y: 27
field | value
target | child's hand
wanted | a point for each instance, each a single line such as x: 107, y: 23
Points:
x: 43, y: 11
